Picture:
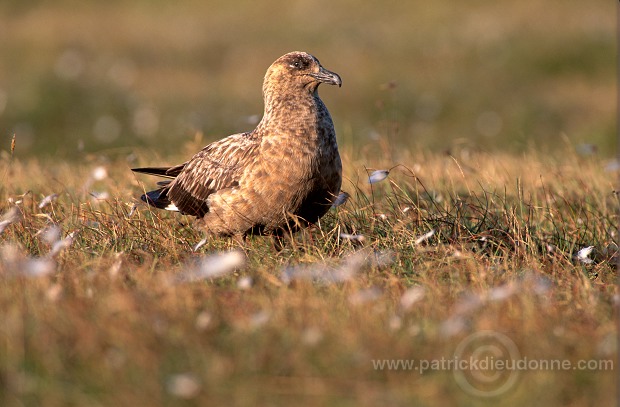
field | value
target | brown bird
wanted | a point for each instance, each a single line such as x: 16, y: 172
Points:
x: 283, y: 174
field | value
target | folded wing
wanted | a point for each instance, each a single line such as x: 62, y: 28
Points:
x: 218, y: 166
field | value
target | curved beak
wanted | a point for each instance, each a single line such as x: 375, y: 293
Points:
x: 326, y: 76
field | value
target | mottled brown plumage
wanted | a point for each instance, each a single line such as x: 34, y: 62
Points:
x: 284, y: 174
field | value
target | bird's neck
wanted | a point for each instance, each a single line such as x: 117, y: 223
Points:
x: 291, y: 113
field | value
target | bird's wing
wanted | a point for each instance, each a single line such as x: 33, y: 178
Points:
x: 217, y: 166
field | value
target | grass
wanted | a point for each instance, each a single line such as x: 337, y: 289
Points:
x: 111, y: 320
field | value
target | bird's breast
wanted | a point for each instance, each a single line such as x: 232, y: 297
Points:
x: 299, y: 169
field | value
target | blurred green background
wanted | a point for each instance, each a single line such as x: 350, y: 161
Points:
x: 93, y: 76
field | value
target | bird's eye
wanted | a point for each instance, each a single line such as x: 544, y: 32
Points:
x: 298, y: 64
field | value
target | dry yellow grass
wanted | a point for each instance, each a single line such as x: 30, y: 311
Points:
x: 111, y: 320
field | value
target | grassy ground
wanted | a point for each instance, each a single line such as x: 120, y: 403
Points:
x: 104, y: 305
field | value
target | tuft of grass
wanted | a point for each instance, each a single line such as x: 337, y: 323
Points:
x: 98, y: 314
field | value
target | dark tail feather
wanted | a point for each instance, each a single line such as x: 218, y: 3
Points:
x: 166, y: 172
x: 157, y: 198
x: 158, y: 171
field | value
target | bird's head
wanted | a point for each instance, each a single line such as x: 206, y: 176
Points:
x: 298, y: 70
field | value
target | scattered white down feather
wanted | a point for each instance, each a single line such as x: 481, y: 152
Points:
x: 352, y: 237
x: 583, y: 255
x: 411, y: 296
x: 341, y: 199
x: 183, y: 385
x: 424, y: 237
x: 47, y: 200
x: 378, y: 176
x: 199, y: 244
x: 11, y: 216
x: 215, y: 265
x: 61, y: 244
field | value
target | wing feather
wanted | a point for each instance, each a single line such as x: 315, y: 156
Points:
x: 218, y: 166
